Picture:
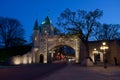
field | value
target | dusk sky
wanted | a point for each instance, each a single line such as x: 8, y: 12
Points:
x: 27, y: 11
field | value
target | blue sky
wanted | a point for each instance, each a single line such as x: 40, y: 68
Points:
x: 27, y: 11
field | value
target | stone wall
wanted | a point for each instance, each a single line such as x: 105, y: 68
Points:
x: 24, y: 59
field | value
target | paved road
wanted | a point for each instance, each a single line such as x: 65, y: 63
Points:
x: 59, y: 72
x: 28, y: 72
x: 85, y: 73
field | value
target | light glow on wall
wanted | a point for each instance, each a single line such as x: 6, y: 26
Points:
x: 24, y: 59
x: 16, y: 60
x: 77, y: 52
x: 45, y: 61
x: 29, y: 60
x: 35, y: 49
x: 35, y: 38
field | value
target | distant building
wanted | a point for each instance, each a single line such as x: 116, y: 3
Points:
x: 111, y: 54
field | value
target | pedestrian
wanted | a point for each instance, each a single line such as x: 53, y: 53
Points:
x: 115, y: 59
x: 105, y: 63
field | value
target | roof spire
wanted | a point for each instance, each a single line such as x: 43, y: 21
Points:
x: 47, y: 21
x: 36, y: 26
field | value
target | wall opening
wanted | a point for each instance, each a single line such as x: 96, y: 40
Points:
x: 41, y: 58
x: 63, y: 53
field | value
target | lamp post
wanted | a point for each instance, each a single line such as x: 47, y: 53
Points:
x: 95, y: 51
x: 104, y: 47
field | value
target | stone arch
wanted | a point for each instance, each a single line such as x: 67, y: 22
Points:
x: 57, y: 45
x: 47, y: 43
x: 73, y: 46
x: 54, y: 51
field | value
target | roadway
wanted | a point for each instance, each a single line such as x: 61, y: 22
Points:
x: 59, y: 72
x: 28, y: 72
x: 72, y: 72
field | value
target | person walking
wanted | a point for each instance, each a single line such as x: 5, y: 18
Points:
x: 115, y: 59
x: 105, y: 63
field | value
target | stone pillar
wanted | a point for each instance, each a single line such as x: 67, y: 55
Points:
x: 101, y: 57
x: 77, y: 50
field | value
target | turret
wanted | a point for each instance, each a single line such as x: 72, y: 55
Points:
x: 36, y: 28
x: 35, y: 32
x: 47, y: 27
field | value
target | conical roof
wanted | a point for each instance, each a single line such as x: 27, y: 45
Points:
x: 36, y: 26
x: 47, y: 21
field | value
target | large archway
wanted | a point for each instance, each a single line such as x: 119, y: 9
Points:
x: 62, y: 53
x: 71, y: 41
x: 47, y: 43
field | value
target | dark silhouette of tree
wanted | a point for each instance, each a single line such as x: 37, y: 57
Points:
x: 57, y: 31
x: 81, y: 23
x: 108, y: 32
x: 11, y: 32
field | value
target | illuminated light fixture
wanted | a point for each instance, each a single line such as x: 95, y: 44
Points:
x: 95, y: 51
x: 104, y: 47
x: 104, y: 43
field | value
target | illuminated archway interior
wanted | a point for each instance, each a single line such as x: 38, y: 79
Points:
x: 62, y: 53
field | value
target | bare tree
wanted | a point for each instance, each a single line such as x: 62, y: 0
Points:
x: 81, y: 23
x: 11, y: 32
x: 108, y: 32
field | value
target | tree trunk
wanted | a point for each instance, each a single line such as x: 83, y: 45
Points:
x: 87, y: 48
x: 87, y: 51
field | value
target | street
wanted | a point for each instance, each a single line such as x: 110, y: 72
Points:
x: 28, y: 72
x: 59, y: 72
x: 85, y: 73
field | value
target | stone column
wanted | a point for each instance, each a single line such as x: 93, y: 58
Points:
x: 77, y: 50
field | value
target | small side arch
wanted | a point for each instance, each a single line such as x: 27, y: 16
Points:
x: 41, y: 58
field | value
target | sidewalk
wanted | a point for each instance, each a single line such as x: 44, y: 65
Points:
x: 85, y: 73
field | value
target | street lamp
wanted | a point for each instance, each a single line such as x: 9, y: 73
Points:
x: 95, y: 53
x: 104, y: 47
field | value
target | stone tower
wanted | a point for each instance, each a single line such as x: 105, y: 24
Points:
x: 40, y: 34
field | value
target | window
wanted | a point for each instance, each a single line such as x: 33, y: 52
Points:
x: 35, y: 38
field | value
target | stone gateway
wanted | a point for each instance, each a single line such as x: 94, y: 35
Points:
x: 45, y: 42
